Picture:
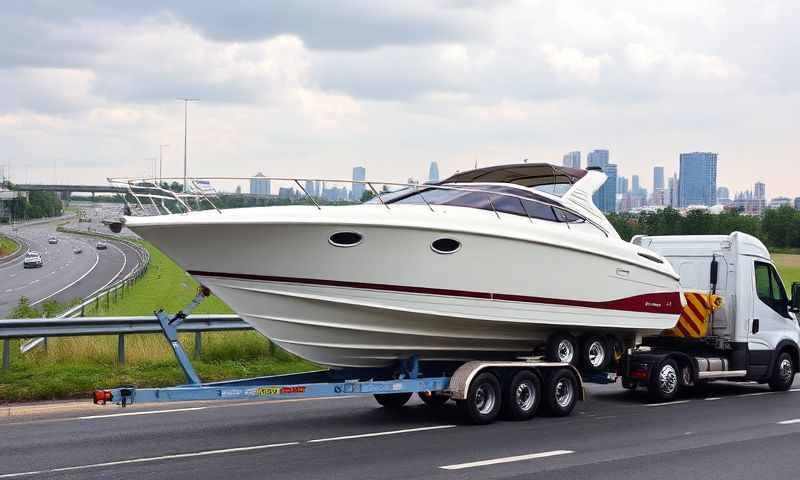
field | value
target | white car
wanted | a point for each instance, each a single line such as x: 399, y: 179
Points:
x: 52, y: 240
x: 77, y: 250
x: 102, y: 245
x: 32, y: 260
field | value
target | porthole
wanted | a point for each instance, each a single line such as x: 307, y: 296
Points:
x: 345, y: 239
x: 445, y: 246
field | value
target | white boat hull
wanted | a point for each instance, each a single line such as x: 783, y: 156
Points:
x: 499, y: 296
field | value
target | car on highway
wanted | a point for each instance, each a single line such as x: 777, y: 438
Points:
x: 77, y: 250
x: 102, y: 245
x: 52, y: 240
x: 32, y: 260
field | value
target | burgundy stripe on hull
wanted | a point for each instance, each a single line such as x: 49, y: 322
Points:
x: 658, y: 303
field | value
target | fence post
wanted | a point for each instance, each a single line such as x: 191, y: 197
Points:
x: 6, y: 353
x: 121, y: 349
x: 108, y: 300
x: 198, y: 344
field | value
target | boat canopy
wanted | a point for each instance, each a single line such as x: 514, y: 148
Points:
x: 529, y: 175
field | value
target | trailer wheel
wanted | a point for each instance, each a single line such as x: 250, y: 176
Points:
x: 664, y: 381
x: 392, y: 400
x: 595, y: 355
x: 433, y: 399
x: 522, y: 396
x: 782, y: 373
x: 562, y: 347
x: 483, y: 401
x: 561, y: 392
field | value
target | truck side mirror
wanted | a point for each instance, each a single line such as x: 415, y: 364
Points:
x: 795, y: 303
x: 714, y: 272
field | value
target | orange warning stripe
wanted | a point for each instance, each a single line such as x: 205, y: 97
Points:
x: 695, y: 317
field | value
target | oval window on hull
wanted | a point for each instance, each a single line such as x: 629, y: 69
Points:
x: 345, y: 239
x: 445, y: 245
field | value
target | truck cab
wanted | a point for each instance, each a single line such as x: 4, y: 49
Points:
x: 753, y: 335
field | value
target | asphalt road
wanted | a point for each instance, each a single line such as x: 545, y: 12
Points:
x: 65, y: 275
x: 727, y: 431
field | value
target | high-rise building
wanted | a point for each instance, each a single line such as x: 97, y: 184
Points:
x: 433, y: 172
x: 635, y: 186
x: 622, y: 185
x: 723, y: 195
x: 608, y: 192
x: 778, y: 202
x: 260, y: 185
x: 311, y: 188
x: 597, y: 158
x: 671, y: 195
x: 698, y: 179
x: 797, y: 203
x: 658, y: 178
x: 359, y: 174
x: 760, y: 190
x: 572, y: 160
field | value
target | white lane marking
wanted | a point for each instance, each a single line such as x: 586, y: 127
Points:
x: 148, y: 412
x: 676, y: 402
x: 96, y: 261
x: 789, y: 422
x: 709, y: 399
x: 756, y: 394
x: 517, y: 458
x: 149, y: 459
x: 378, y: 434
x: 9, y: 290
x: 795, y: 390
x: 124, y: 263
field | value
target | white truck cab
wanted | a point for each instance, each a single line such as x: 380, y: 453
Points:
x: 754, y: 335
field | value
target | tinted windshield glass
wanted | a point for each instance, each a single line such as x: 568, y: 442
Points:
x: 537, y: 207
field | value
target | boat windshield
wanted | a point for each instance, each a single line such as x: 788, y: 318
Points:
x: 533, y: 206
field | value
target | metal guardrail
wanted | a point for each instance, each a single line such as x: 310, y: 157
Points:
x: 121, y: 326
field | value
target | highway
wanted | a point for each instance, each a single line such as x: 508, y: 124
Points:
x: 726, y: 431
x: 65, y: 275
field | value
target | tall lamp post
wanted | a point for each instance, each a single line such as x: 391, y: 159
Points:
x: 160, y: 164
x: 185, y: 129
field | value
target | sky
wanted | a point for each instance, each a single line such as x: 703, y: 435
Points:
x: 312, y: 88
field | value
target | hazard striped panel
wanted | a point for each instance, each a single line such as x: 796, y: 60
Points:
x: 696, y: 315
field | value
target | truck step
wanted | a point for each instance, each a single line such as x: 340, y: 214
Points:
x: 721, y: 374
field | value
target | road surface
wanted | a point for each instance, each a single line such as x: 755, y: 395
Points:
x: 727, y: 431
x: 65, y: 275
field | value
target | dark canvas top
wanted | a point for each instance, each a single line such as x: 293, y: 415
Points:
x: 525, y: 174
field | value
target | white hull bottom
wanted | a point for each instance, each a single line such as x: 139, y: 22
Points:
x: 360, y: 327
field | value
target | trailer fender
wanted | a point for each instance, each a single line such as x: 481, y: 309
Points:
x: 463, y: 376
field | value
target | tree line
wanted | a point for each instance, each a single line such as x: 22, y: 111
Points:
x: 36, y: 205
x: 777, y: 228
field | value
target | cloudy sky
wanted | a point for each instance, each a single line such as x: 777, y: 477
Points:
x: 311, y: 88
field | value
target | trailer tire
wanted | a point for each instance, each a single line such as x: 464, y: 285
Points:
x: 595, y: 353
x: 433, y: 399
x: 484, y: 399
x: 782, y: 373
x: 563, y: 348
x: 664, y: 381
x: 560, y: 392
x: 392, y: 401
x: 522, y: 396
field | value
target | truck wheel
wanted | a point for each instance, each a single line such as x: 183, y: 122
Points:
x: 783, y: 373
x: 522, y: 396
x: 664, y: 381
x: 563, y: 348
x: 483, y: 401
x: 392, y: 400
x: 561, y: 392
x: 433, y: 399
x: 595, y: 354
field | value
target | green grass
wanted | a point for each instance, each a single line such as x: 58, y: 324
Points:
x: 789, y: 268
x: 7, y: 246
x: 74, y: 367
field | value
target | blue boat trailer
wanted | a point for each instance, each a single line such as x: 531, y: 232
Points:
x: 481, y: 389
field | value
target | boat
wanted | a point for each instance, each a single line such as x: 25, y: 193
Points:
x: 490, y: 263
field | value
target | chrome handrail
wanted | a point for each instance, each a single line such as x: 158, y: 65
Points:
x: 134, y: 188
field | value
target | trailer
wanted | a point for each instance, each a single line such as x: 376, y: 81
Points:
x: 483, y: 390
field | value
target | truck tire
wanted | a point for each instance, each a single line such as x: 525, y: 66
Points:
x: 433, y: 399
x: 560, y: 392
x: 563, y: 348
x: 664, y: 381
x: 782, y: 373
x: 392, y: 401
x: 595, y: 354
x: 484, y: 399
x: 522, y: 396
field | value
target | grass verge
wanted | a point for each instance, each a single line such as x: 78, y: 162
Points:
x: 7, y: 246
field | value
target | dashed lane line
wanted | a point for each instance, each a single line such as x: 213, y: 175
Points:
x: 147, y: 412
x: 789, y: 422
x: 664, y: 404
x: 380, y: 434
x: 516, y: 458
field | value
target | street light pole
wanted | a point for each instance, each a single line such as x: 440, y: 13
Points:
x: 185, y: 130
x: 160, y: 159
